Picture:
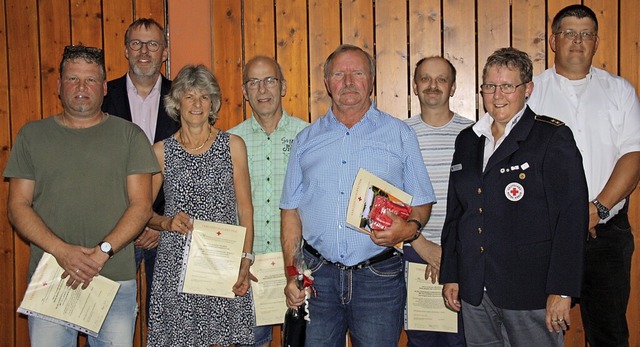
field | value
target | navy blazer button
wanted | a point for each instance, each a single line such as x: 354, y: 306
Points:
x: 479, y: 190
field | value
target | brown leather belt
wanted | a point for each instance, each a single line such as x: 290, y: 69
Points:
x: 389, y: 253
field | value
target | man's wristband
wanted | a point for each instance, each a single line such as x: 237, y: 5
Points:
x: 418, y: 232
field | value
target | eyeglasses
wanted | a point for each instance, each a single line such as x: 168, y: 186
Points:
x: 136, y: 45
x: 572, y: 35
x: 254, y: 83
x: 504, y: 88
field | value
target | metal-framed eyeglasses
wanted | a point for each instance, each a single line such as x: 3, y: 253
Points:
x: 504, y: 88
x: 254, y: 83
x: 136, y: 45
x: 572, y: 35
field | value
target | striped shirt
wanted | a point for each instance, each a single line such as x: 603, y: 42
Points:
x: 268, y: 156
x: 437, y: 145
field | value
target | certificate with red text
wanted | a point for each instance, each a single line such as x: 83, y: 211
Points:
x: 48, y: 297
x: 211, y: 259
x: 268, y: 293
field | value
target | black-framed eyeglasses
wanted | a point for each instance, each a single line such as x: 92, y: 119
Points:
x: 254, y: 83
x: 504, y: 88
x: 136, y: 45
x: 571, y: 35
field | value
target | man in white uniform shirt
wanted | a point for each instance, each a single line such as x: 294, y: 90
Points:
x: 603, y: 112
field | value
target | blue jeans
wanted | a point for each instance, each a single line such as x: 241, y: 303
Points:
x: 117, y: 329
x: 368, y: 302
x: 607, y: 282
x: 149, y: 257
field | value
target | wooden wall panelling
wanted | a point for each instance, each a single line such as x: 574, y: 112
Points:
x: 227, y: 60
x: 115, y: 21
x: 629, y: 60
x: 190, y: 34
x: 528, y: 33
x: 150, y: 9
x: 7, y: 272
x: 357, y: 24
x: 55, y: 34
x: 392, y: 77
x: 292, y: 44
x: 607, y: 53
x: 86, y: 23
x: 425, y: 39
x: 324, y: 37
x: 459, y: 42
x: 24, y: 103
x: 258, y: 31
x: 553, y: 7
x: 493, y: 32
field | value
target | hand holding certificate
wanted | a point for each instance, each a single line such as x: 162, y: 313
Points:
x: 211, y: 259
x: 48, y: 297
x: 371, y: 198
x: 268, y: 297
x: 425, y: 308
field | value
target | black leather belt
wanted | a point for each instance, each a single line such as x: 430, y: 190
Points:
x: 389, y: 253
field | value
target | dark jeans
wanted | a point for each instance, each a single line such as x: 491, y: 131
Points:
x: 605, y: 291
x: 149, y: 256
x: 369, y: 302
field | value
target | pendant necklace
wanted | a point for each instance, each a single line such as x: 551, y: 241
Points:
x: 197, y: 147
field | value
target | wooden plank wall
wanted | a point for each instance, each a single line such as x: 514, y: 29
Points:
x: 223, y: 34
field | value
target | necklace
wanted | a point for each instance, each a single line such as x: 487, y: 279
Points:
x: 197, y: 147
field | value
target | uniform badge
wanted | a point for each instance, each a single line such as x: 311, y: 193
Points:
x: 514, y: 191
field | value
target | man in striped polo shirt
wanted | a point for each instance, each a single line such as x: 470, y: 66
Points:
x: 434, y: 82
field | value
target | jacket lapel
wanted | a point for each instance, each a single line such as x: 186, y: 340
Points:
x: 512, y: 142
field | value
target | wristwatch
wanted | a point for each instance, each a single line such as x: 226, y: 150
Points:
x: 250, y: 256
x: 603, y: 211
x: 106, y: 248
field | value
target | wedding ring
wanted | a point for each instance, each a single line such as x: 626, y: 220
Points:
x: 77, y: 270
x: 560, y: 320
x: 554, y: 320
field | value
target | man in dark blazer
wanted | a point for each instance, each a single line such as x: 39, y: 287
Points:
x: 513, y: 239
x: 138, y: 97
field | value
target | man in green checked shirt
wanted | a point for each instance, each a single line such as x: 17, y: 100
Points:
x: 268, y: 135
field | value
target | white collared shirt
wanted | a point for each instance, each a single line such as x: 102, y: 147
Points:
x: 603, y: 113
x: 144, y: 111
x: 483, y: 128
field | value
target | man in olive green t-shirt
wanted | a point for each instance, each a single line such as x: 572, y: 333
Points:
x: 80, y: 189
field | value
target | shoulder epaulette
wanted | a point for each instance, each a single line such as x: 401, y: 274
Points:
x: 549, y: 120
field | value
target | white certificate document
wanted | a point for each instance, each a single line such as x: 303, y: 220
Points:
x: 211, y: 259
x: 268, y: 293
x: 425, y: 305
x: 49, y: 298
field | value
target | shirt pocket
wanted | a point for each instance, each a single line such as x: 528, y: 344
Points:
x: 375, y: 157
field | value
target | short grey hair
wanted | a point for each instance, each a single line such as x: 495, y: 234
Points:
x: 349, y: 48
x: 512, y: 59
x: 192, y: 77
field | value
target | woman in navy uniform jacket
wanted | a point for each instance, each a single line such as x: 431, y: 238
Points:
x: 513, y: 239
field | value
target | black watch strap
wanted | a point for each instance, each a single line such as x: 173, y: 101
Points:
x: 603, y: 211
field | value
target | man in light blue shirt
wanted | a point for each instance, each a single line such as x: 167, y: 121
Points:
x: 358, y: 277
x: 268, y: 135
